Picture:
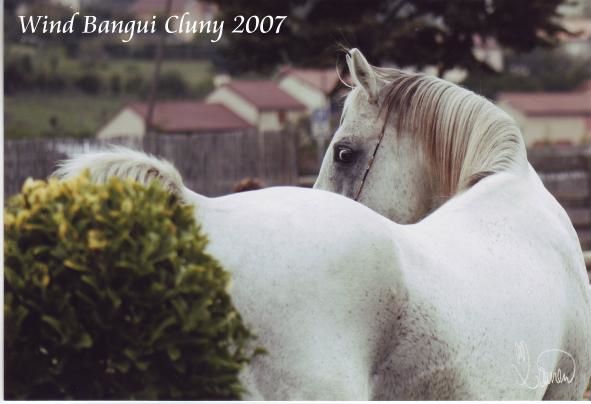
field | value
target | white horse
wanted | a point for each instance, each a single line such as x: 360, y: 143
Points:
x: 494, y: 255
x: 314, y: 276
x: 483, y: 299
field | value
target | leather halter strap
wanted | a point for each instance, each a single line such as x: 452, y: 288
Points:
x: 369, y: 165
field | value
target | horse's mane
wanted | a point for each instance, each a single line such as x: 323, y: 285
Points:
x: 464, y: 136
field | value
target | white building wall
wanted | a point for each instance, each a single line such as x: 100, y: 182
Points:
x: 126, y: 123
x: 555, y: 129
x: 234, y: 102
x: 269, y: 121
x: 307, y: 95
x: 548, y: 129
x: 295, y: 116
x: 263, y: 120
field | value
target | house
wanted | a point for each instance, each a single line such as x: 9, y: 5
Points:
x: 312, y: 87
x: 578, y: 45
x: 560, y: 117
x: 174, y: 117
x: 576, y: 18
x: 319, y: 90
x: 261, y: 103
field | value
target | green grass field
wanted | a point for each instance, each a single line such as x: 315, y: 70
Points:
x: 51, y: 59
x: 31, y: 115
x: 71, y: 113
x: 194, y: 72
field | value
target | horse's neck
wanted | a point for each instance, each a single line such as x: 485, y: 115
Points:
x: 438, y: 197
x: 514, y: 198
x: 433, y: 199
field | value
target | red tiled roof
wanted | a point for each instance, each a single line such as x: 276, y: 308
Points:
x: 325, y: 80
x: 264, y: 94
x: 192, y: 116
x: 155, y: 7
x: 563, y: 104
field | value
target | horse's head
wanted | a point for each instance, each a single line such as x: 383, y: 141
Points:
x: 398, y: 183
x: 408, y: 142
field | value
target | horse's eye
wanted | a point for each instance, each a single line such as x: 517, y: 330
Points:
x: 343, y: 154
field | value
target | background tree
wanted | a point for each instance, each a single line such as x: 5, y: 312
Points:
x: 538, y: 70
x: 406, y: 32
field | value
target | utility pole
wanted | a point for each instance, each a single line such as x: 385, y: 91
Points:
x: 151, y: 139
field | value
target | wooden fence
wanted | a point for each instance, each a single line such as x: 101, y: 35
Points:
x: 210, y: 164
x: 566, y: 172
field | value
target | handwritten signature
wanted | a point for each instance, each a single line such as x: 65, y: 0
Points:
x: 543, y: 377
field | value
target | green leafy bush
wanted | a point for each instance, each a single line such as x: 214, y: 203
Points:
x: 110, y: 295
x: 172, y: 84
x: 17, y: 73
x: 135, y: 84
x: 89, y: 83
x: 115, y: 83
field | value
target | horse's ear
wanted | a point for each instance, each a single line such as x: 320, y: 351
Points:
x: 362, y: 73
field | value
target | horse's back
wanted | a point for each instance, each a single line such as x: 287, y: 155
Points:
x: 310, y: 269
